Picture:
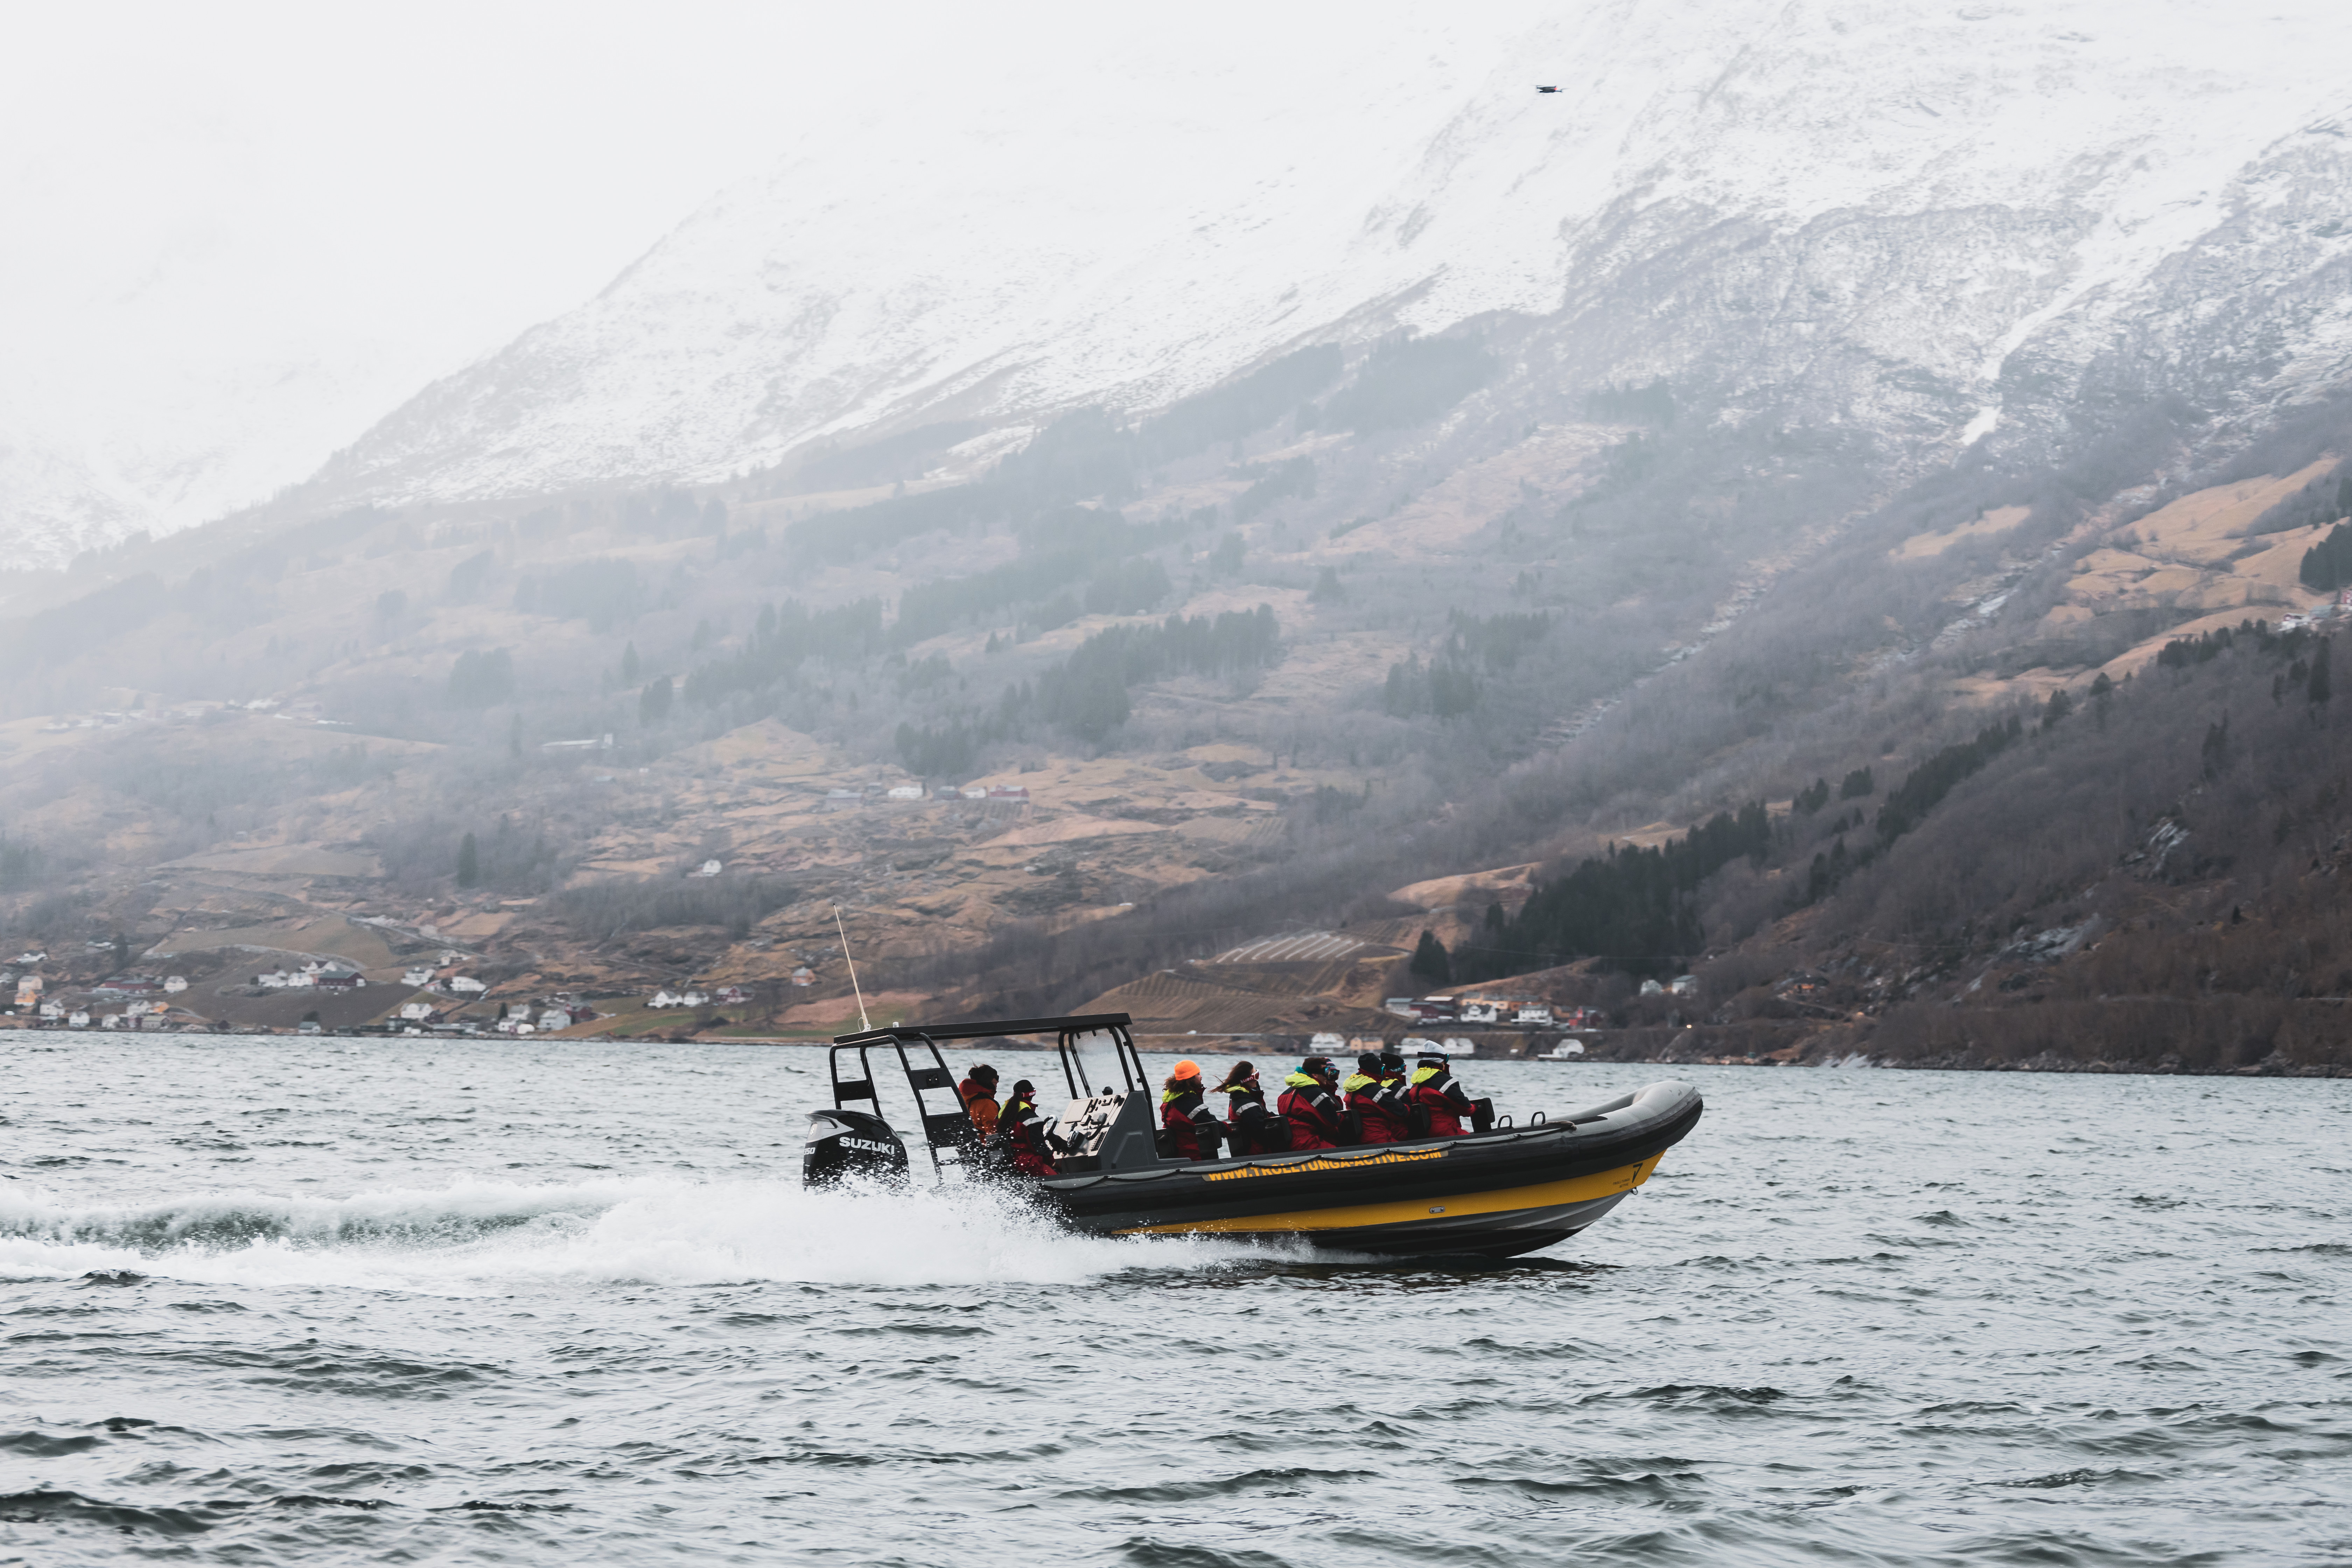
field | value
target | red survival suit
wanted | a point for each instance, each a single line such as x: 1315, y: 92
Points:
x: 1194, y: 1130
x: 1254, y: 1128
x: 1023, y: 1131
x: 1434, y: 1094
x: 1376, y: 1114
x: 1312, y: 1110
x: 979, y: 1097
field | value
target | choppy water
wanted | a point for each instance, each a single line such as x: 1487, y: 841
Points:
x: 267, y: 1300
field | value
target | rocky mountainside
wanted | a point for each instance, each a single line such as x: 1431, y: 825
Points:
x: 1929, y: 227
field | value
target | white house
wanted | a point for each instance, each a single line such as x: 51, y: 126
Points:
x: 416, y: 1011
x: 552, y: 1018
x: 1684, y: 986
x: 974, y: 792
x: 175, y: 984
x: 417, y: 974
x: 467, y: 985
x: 663, y: 998
x: 77, y: 1018
x: 694, y: 999
x: 52, y: 1009
x: 905, y: 791
x: 803, y: 975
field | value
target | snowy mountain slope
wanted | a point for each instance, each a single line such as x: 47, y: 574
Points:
x: 1906, y: 218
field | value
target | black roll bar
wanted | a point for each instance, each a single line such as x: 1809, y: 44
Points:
x: 1083, y: 1024
x: 954, y: 1128
x: 1122, y: 1050
x: 941, y: 1129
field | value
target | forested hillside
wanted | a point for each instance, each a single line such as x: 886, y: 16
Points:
x: 1957, y: 758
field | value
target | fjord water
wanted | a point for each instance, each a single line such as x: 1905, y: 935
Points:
x: 275, y: 1301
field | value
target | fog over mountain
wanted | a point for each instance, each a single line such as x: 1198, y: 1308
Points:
x: 1931, y: 225
x: 1849, y: 502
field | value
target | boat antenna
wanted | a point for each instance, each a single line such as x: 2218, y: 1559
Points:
x: 865, y: 1023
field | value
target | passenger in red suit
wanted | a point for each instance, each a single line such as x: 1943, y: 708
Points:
x: 1377, y: 1121
x: 1310, y: 1105
x: 1438, y: 1106
x: 1255, y: 1130
x: 1194, y: 1130
x: 978, y: 1092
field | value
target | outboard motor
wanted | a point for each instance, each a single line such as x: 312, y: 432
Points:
x: 845, y: 1143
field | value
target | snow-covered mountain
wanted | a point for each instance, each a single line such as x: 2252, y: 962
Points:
x: 1928, y: 220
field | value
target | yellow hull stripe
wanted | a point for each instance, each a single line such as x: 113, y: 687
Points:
x: 1543, y: 1195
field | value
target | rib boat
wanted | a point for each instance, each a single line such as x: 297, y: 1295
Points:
x: 1496, y: 1194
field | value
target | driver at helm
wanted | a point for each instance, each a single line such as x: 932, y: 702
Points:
x: 1023, y: 1132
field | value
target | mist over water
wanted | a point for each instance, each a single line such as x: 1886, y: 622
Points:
x: 273, y: 1301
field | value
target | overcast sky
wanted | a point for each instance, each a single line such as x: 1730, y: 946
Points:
x: 238, y: 233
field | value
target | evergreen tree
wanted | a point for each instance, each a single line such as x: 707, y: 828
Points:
x: 1857, y: 783
x: 469, y: 862
x: 2216, y: 749
x: 121, y: 952
x: 630, y: 667
x: 479, y: 679
x: 2320, y: 687
x: 1431, y: 961
x: 653, y: 702
x: 2327, y: 566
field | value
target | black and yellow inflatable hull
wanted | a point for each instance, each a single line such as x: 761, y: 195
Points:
x: 1494, y: 1194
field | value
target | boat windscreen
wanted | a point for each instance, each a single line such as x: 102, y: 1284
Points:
x: 1091, y: 1062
